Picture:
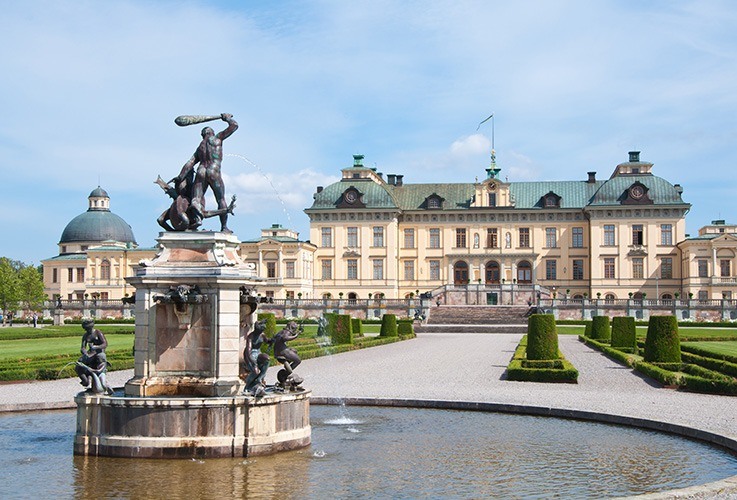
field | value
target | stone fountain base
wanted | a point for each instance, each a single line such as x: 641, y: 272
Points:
x: 187, y: 427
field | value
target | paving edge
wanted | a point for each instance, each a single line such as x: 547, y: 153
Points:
x: 721, y: 487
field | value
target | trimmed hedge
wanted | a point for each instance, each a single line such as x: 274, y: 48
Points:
x: 517, y: 371
x: 624, y: 333
x: 357, y: 327
x: 542, y: 339
x: 662, y: 344
x: 389, y: 326
x: 706, y: 353
x: 600, y: 329
x: 587, y: 329
x: 270, y: 329
x: 343, y: 333
x: 405, y: 327
x: 616, y: 354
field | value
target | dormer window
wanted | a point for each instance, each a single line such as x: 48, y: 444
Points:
x: 551, y: 200
x: 433, y: 203
x: 636, y: 194
x: 352, y: 198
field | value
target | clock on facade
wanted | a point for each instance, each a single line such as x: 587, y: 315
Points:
x: 492, y: 186
x: 637, y: 192
x: 351, y: 196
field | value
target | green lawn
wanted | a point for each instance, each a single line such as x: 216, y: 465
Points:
x: 717, y: 348
x: 688, y: 332
x: 13, y: 349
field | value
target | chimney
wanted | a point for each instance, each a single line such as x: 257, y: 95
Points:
x: 399, y: 180
x: 592, y: 177
x: 391, y: 179
x: 634, y: 156
x: 358, y: 160
x: 319, y: 189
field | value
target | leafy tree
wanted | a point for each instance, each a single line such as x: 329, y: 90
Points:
x: 9, y: 284
x: 31, y: 288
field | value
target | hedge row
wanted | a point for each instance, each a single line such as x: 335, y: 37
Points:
x: 615, y: 354
x: 690, y: 377
x: 707, y: 353
x: 55, y: 367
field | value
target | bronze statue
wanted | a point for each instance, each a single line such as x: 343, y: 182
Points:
x: 187, y: 211
x: 287, y: 356
x: 257, y: 362
x: 92, y: 365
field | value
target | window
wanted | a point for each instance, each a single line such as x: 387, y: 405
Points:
x: 461, y: 238
x: 271, y: 269
x: 352, y: 237
x: 524, y: 237
x: 327, y: 269
x: 80, y: 275
x: 551, y: 201
x: 638, y: 268
x: 551, y: 239
x: 104, y: 296
x: 577, y: 269
x: 378, y: 269
x: 492, y: 238
x: 70, y: 274
x: 327, y: 237
x: 433, y: 202
x: 290, y: 294
x: 577, y: 241
x: 703, y: 295
x: 409, y: 238
x: 703, y: 268
x: 54, y: 275
x: 435, y: 238
x: 609, y: 272
x: 666, y: 268
x: 492, y: 199
x: 289, y: 266
x: 637, y: 234
x: 609, y: 298
x: 105, y: 270
x: 352, y: 269
x: 725, y: 267
x: 524, y: 272
x: 378, y: 236
x: 609, y: 240
x: 666, y: 234
x: 434, y: 269
x: 409, y: 270
x: 269, y: 294
x: 551, y: 269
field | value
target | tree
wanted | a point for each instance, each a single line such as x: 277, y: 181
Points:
x: 31, y: 288
x: 9, y: 285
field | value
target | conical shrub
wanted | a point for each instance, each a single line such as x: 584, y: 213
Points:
x: 542, y: 337
x: 388, y: 326
x: 600, y: 329
x: 662, y: 344
x: 624, y: 332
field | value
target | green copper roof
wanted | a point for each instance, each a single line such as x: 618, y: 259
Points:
x: 97, y: 225
x: 660, y: 191
x: 374, y: 195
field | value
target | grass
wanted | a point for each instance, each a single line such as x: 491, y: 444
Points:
x: 59, y: 331
x: 684, y: 332
x: 30, y: 348
x: 718, y: 348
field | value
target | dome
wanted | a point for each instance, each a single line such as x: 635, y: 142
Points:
x: 98, y: 223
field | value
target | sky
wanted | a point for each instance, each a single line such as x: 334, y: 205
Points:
x: 89, y: 91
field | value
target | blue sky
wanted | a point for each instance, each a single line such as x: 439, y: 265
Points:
x: 89, y: 91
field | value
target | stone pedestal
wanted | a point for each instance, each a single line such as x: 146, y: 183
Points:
x: 191, y: 348
x: 178, y: 427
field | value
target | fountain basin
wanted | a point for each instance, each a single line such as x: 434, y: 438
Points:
x: 191, y: 427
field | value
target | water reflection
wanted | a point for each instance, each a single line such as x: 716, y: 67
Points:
x: 374, y: 453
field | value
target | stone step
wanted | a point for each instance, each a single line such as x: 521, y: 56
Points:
x: 471, y: 329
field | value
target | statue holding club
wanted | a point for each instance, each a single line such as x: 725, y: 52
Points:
x: 200, y: 172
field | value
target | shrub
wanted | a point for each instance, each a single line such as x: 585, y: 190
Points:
x: 662, y: 344
x: 404, y: 327
x: 357, y: 327
x: 343, y: 333
x: 542, y: 337
x: 624, y: 333
x: 332, y: 322
x: 587, y: 329
x: 389, y: 326
x: 270, y: 330
x: 600, y: 329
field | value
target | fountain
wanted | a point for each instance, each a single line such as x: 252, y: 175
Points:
x: 194, y: 309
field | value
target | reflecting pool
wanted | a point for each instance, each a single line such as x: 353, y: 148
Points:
x: 366, y: 452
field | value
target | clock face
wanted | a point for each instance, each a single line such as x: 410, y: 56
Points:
x: 492, y: 186
x: 637, y: 192
x: 351, y: 197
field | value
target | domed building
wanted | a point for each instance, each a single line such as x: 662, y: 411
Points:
x: 97, y: 250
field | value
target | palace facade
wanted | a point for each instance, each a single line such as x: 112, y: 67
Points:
x: 614, y: 238
x: 598, y: 238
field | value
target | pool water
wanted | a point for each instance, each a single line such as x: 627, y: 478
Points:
x: 368, y: 452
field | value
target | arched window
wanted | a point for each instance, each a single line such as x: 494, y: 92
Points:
x: 524, y: 272
x: 493, y: 272
x: 460, y: 273
x: 105, y: 270
x: 666, y: 298
x: 609, y: 298
x: 352, y: 297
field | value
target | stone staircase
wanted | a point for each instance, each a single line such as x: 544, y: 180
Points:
x: 474, y: 319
